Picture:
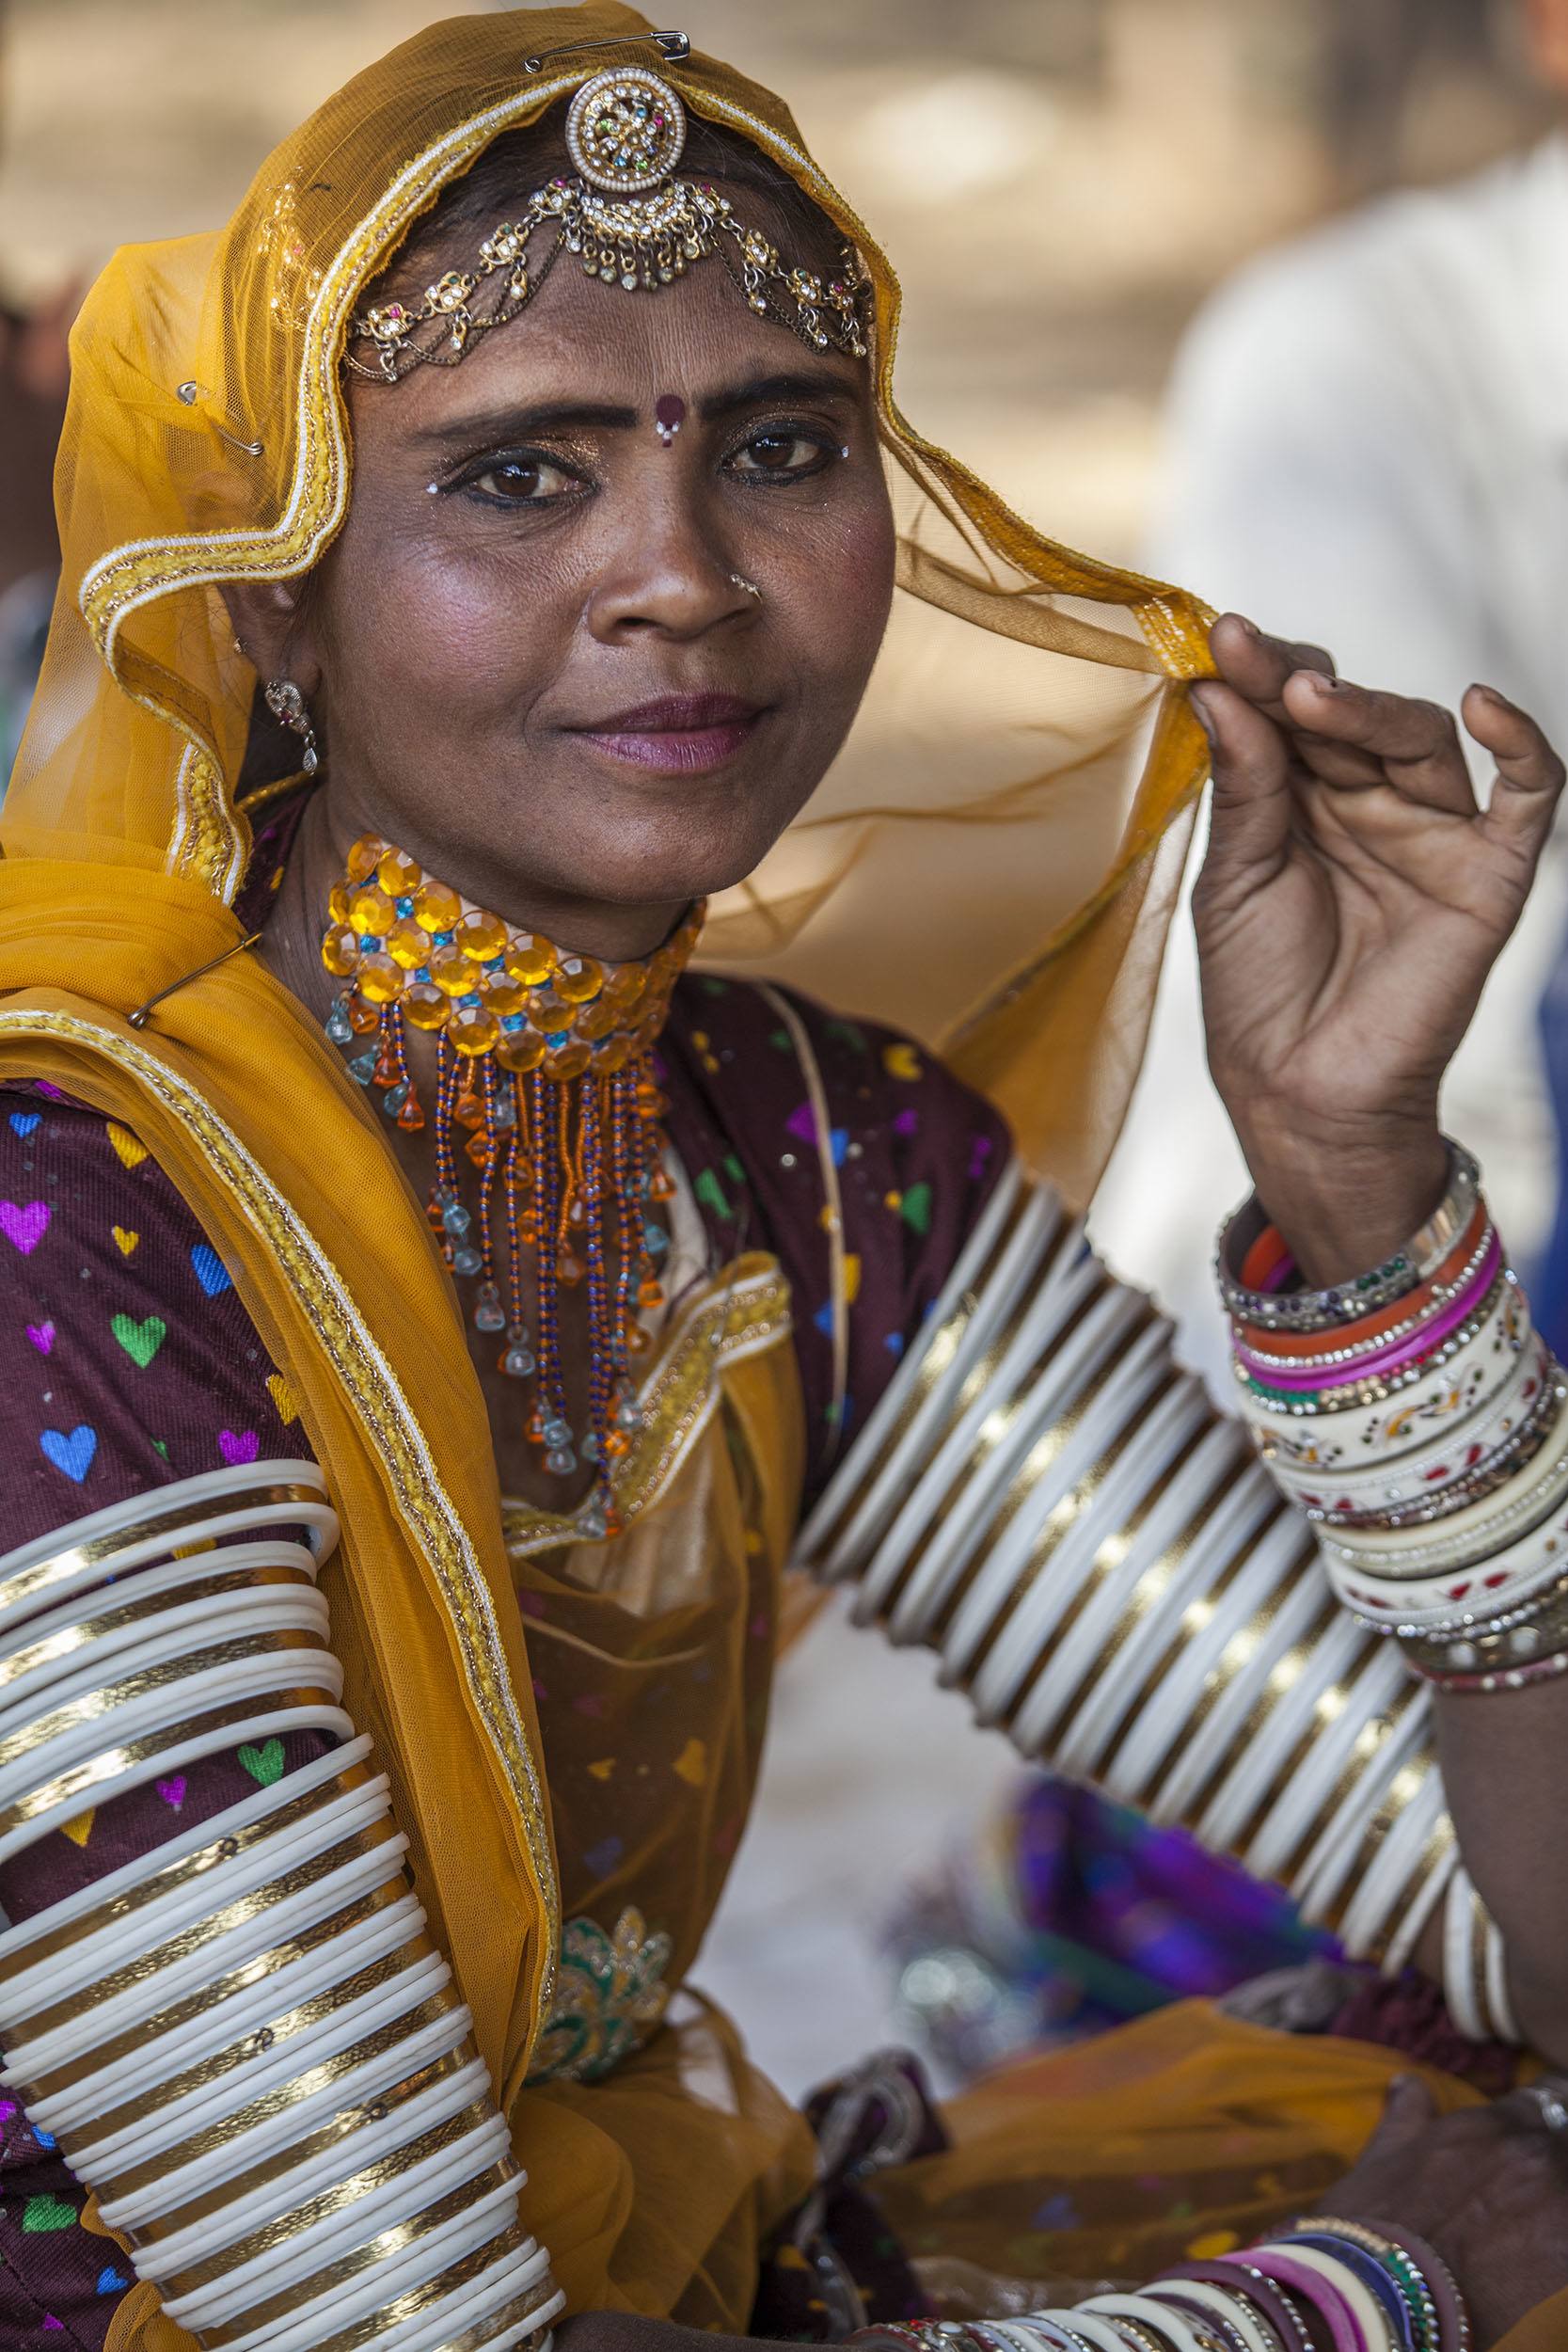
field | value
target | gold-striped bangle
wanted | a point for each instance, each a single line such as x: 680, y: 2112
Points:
x: 1401, y: 1794
x: 992, y: 1434
x: 1157, y: 1579
x: 484, y: 2332
x: 191, y: 1940
x: 1225, y: 1668
x: 68, y: 1788
x: 1369, y: 1743
x: 1290, y: 1764
x: 976, y: 1380
x: 182, y: 1872
x: 96, y: 1705
x: 1048, y: 1448
x: 341, y: 2126
x: 101, y: 1550
x: 1282, y: 1677
x: 1108, y: 1558
x: 1434, y: 1858
x: 285, y: 2228
x: 414, y: 2300
x: 200, y: 2004
x: 217, y: 2138
x: 211, y: 2071
x: 383, y: 2247
x: 84, y: 1632
x: 1068, y: 1509
x: 936, y: 1354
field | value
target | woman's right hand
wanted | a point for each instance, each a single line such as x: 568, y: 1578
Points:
x: 1487, y: 2188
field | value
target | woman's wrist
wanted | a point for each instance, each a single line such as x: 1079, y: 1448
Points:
x: 1345, y: 1201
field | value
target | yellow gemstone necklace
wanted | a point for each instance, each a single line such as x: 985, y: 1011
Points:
x: 542, y: 1062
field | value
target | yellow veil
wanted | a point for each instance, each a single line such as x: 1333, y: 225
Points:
x: 990, y: 863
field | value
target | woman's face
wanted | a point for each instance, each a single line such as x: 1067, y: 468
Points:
x: 540, y: 665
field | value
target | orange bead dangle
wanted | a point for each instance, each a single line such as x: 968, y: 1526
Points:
x: 543, y: 1078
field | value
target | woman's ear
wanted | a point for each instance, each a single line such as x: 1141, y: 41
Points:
x: 270, y: 630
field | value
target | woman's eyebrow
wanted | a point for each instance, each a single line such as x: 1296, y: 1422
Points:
x: 560, y: 416
x: 799, y: 383
x: 552, y: 416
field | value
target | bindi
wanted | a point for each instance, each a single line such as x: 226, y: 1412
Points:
x: 669, y: 416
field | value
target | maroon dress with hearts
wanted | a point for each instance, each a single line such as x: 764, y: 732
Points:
x: 127, y: 1361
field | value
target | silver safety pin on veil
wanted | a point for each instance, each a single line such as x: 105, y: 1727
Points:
x: 192, y: 395
x: 674, y: 46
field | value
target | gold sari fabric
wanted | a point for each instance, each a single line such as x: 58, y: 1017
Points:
x: 990, y: 863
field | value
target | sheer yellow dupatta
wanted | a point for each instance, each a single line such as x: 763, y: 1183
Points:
x: 236, y: 1094
x: 989, y: 863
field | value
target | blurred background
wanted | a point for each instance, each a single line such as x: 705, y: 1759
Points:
x: 1060, y: 180
x: 1063, y: 184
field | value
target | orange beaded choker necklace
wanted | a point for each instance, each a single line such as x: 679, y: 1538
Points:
x: 541, y: 1065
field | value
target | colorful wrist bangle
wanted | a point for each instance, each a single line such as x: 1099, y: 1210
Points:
x: 1307, y: 2285
x: 1405, y: 1458
x: 1465, y: 1362
x: 1473, y: 1538
x: 1441, y: 2320
x: 1234, y: 2273
x: 1225, y: 2308
x: 1372, y: 2275
x: 1165, y: 2328
x: 1096, y: 2335
x: 1268, y: 1252
x: 1377, y: 2327
x: 1335, y: 1370
x: 1346, y: 1339
x: 1495, y: 1678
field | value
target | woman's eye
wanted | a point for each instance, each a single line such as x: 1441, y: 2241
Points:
x: 522, y: 481
x: 780, y: 450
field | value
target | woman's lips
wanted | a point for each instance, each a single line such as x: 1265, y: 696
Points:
x: 682, y: 733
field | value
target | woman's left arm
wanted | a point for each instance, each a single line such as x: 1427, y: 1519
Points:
x: 1352, y: 903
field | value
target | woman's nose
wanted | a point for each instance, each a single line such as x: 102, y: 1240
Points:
x: 667, y: 573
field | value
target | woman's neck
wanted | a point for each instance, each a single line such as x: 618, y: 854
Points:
x: 291, y: 947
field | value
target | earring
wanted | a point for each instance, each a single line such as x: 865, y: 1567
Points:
x: 749, y: 585
x: 288, y: 706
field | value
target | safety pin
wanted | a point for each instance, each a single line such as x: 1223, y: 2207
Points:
x: 190, y: 394
x: 674, y: 45
x: 138, y: 1018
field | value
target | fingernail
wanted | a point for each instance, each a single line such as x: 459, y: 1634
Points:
x: 1490, y: 693
x: 1198, y: 696
x: 1251, y: 627
x: 1322, y: 684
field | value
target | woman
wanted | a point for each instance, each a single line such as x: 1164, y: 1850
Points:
x: 377, y: 1176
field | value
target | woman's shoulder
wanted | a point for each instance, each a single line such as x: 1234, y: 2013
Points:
x: 851, y: 1152
x: 777, y: 1056
x: 127, y: 1359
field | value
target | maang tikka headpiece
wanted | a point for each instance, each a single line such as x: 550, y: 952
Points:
x: 632, y: 223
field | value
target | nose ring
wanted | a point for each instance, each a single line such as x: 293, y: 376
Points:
x: 749, y: 585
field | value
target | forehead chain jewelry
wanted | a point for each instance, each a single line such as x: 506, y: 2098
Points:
x: 631, y: 224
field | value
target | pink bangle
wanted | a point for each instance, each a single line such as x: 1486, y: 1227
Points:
x: 1496, y: 1677
x: 1313, y: 2290
x: 1379, y: 1366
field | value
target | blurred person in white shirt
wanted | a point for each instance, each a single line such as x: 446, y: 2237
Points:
x: 1368, y: 448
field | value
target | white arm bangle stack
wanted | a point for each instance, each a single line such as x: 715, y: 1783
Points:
x: 1419, y: 1420
x: 1049, y: 1502
x: 245, y: 2041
